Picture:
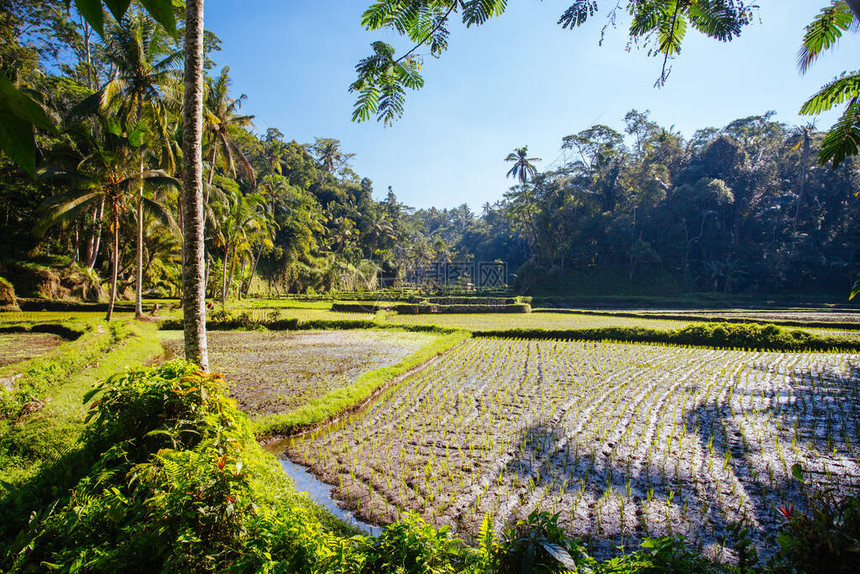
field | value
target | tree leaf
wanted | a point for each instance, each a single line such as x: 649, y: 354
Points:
x: 839, y: 91
x: 20, y: 113
x: 823, y: 33
x: 117, y: 7
x: 93, y: 13
x: 843, y: 139
x: 856, y: 289
x: 578, y: 13
x: 162, y: 12
x: 797, y: 471
x: 559, y: 553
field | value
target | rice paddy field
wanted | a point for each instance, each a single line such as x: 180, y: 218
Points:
x: 16, y: 347
x: 269, y: 371
x: 624, y: 441
x: 552, y: 320
x: 549, y: 321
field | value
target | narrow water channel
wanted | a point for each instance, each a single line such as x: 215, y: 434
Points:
x: 320, y: 493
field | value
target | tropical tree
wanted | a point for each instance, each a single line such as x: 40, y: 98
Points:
x: 329, y: 155
x: 239, y: 219
x: 108, y: 175
x: 139, y: 51
x: 523, y: 169
x: 823, y: 34
x: 220, y: 120
x: 194, y: 264
x: 601, y: 156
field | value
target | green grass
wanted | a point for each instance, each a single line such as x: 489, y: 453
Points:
x: 340, y: 400
x: 58, y: 381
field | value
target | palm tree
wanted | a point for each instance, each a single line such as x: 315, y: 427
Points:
x: 804, y: 137
x: 139, y: 51
x: 194, y: 265
x: 523, y: 168
x: 220, y: 118
x: 108, y: 175
x: 238, y: 218
x: 329, y: 154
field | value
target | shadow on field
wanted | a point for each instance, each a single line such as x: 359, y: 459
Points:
x: 814, y: 412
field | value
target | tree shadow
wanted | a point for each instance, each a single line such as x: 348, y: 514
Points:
x: 746, y: 442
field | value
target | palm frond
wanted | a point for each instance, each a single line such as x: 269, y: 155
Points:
x: 839, y: 91
x: 843, y: 139
x: 823, y: 33
x: 64, y: 207
x: 89, y: 106
x: 161, y: 213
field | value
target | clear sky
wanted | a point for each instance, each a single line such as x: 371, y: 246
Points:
x: 518, y: 80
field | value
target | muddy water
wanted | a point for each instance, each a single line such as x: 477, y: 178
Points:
x: 320, y: 493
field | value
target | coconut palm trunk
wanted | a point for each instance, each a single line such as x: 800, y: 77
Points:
x: 114, y: 263
x: 95, y: 244
x: 224, y: 277
x: 193, y: 271
x: 803, y: 172
x: 138, y: 278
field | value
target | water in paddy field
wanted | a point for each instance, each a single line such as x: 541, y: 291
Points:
x: 320, y: 493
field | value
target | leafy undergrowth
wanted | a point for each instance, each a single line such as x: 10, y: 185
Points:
x: 339, y: 400
x: 713, y: 335
x: 169, y: 477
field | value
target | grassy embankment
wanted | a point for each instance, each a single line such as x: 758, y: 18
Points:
x: 43, y: 415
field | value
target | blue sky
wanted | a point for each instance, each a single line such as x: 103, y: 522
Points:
x: 518, y: 80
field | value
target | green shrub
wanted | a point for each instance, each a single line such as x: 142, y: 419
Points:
x: 179, y: 484
x: 538, y: 544
x: 711, y: 335
x: 825, y: 538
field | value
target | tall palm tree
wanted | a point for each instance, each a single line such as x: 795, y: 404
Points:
x: 140, y: 52
x: 108, y: 175
x: 194, y: 265
x: 220, y: 117
x: 329, y: 154
x: 523, y: 168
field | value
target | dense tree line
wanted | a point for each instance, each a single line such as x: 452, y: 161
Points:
x: 741, y: 208
x: 106, y: 192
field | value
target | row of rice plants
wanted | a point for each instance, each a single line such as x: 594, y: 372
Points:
x: 625, y: 441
